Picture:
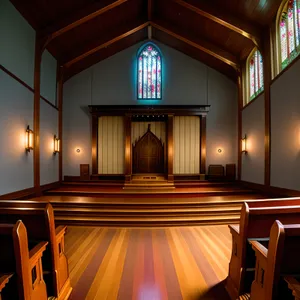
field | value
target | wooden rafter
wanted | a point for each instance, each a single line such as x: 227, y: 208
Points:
x: 150, y: 9
x: 206, y: 47
x: 83, y: 20
x: 106, y: 44
x: 238, y: 26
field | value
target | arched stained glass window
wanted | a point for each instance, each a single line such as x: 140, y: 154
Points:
x: 149, y: 72
x: 289, y: 31
x: 256, y: 74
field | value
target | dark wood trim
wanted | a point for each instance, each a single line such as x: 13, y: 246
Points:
x: 203, y: 144
x: 105, y: 45
x: 94, y: 144
x: 122, y: 110
x: 267, y: 88
x: 253, y: 100
x: 170, y: 144
x: 50, y: 186
x: 187, y: 177
x: 150, y: 9
x: 87, y: 18
x: 26, y: 193
x: 206, y: 46
x: 108, y: 177
x: 60, y: 119
x: 270, y: 190
x: 286, y: 69
x: 237, y: 25
x: 71, y: 178
x: 48, y: 102
x: 128, y: 149
x: 16, y: 78
x: 240, y: 108
x: 36, y: 114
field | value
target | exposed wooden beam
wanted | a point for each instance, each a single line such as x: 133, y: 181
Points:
x: 82, y: 20
x: 150, y: 9
x: 206, y: 47
x: 106, y: 44
x: 238, y: 26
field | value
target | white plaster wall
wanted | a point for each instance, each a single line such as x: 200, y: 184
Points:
x: 48, y: 128
x: 185, y: 81
x: 253, y: 125
x: 221, y: 131
x: 77, y: 124
x: 17, y: 43
x: 16, y: 107
x: 285, y: 129
x: 48, y: 77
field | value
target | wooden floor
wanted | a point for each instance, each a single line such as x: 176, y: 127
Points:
x: 148, y: 264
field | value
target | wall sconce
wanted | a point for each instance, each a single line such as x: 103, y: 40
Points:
x: 219, y: 150
x: 77, y: 150
x: 56, y: 145
x: 29, y: 139
x: 244, y: 144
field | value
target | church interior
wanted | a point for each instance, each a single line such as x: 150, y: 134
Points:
x: 146, y: 151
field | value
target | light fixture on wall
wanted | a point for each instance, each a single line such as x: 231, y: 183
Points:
x: 219, y: 150
x: 77, y: 150
x: 244, y: 144
x: 56, y: 145
x: 29, y: 139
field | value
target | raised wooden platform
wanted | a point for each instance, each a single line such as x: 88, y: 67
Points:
x: 128, y: 210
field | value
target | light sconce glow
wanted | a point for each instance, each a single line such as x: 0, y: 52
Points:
x: 56, y: 145
x: 29, y: 139
x: 220, y: 150
x: 77, y: 150
x: 244, y: 144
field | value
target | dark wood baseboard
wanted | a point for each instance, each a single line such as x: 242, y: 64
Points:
x: 30, y: 192
x: 50, y: 186
x: 271, y: 190
x: 71, y: 178
x: 22, y: 194
x: 180, y: 177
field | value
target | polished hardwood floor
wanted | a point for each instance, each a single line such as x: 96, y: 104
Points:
x: 148, y: 263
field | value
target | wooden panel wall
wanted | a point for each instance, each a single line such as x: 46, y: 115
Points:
x: 140, y: 128
x: 111, y: 145
x: 186, y: 145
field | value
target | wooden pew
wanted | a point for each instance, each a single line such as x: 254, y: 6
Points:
x: 257, y: 217
x: 293, y: 285
x: 38, y: 218
x: 4, y: 279
x: 281, y: 257
x: 23, y: 271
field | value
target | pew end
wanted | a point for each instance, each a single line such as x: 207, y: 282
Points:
x: 27, y: 283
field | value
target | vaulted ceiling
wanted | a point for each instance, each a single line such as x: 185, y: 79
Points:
x: 80, y: 33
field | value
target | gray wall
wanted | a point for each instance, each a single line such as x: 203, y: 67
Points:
x: 253, y: 125
x: 48, y: 128
x: 17, y: 52
x: 285, y: 129
x: 17, y: 43
x: 112, y: 81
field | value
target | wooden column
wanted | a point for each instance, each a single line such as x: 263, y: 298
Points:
x: 267, y: 83
x: 36, y: 114
x: 240, y: 107
x: 94, y: 144
x: 60, y: 120
x: 170, y: 127
x: 128, y: 149
x: 203, y: 144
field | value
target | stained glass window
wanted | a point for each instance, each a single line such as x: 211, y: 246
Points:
x: 256, y: 74
x: 290, y: 32
x: 149, y: 73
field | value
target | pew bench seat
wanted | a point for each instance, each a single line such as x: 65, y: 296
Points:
x: 294, y: 285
